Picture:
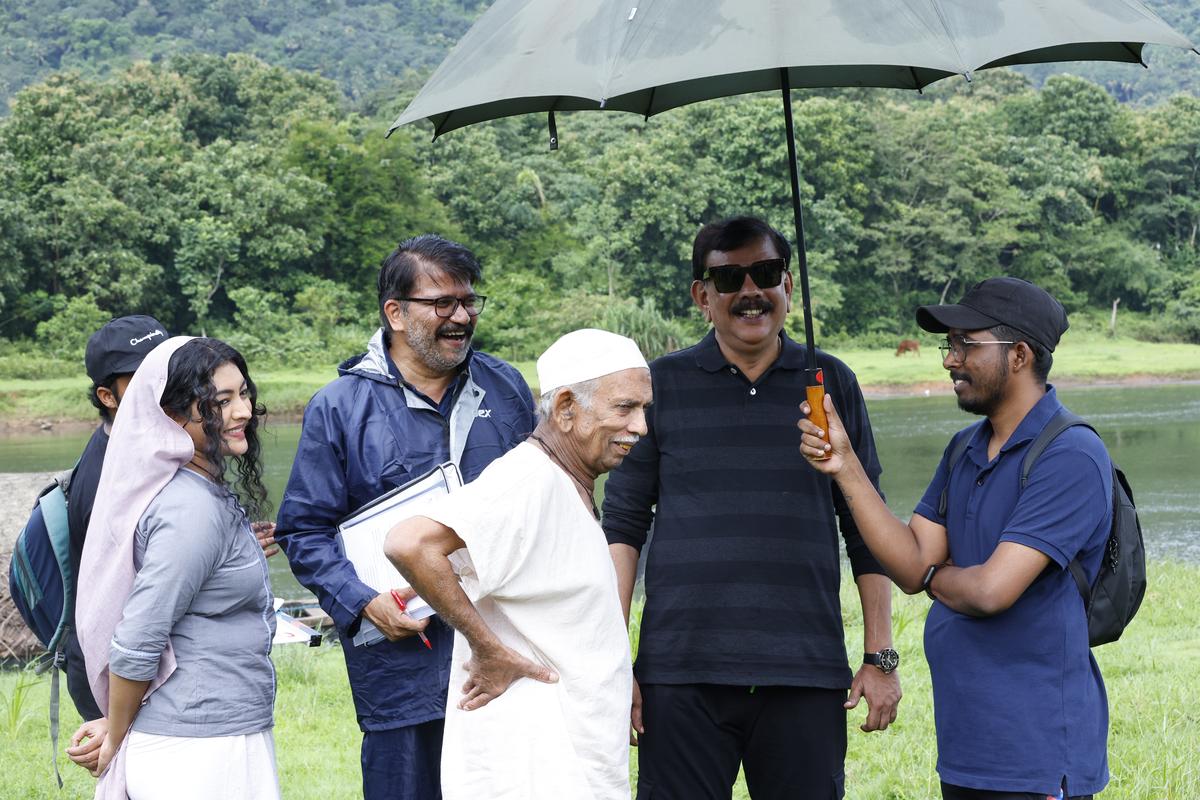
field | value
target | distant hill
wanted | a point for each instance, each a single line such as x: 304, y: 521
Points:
x: 370, y: 48
x: 363, y: 46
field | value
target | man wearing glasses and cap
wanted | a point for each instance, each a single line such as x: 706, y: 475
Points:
x: 1019, y: 703
x: 538, y: 597
x: 419, y: 396
x: 742, y: 656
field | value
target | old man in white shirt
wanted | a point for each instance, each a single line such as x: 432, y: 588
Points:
x: 540, y: 679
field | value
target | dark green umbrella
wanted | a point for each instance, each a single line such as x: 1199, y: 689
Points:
x: 649, y: 56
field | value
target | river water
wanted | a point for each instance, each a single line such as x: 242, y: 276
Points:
x: 1153, y: 432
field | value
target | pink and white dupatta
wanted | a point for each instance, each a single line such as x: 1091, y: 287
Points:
x: 145, y: 450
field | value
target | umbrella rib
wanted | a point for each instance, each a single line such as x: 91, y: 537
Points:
x: 650, y: 103
x: 626, y: 35
x: 916, y: 81
x: 439, y: 127
x: 1135, y: 54
x: 937, y: 10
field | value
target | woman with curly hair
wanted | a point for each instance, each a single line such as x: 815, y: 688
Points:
x: 176, y: 612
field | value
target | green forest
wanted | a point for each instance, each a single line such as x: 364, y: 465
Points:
x: 251, y: 195
x: 366, y: 47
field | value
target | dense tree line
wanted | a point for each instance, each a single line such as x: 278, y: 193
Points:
x: 363, y: 45
x: 237, y: 198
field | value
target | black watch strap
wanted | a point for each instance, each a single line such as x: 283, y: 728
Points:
x: 886, y: 659
x: 928, y: 579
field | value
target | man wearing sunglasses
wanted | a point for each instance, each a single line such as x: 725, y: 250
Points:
x: 419, y: 396
x: 742, y: 657
x: 1019, y: 703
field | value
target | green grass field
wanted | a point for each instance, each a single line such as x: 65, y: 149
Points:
x: 1150, y: 676
x: 1089, y: 358
x: 1086, y: 359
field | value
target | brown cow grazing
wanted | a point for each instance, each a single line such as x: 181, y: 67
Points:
x: 908, y: 346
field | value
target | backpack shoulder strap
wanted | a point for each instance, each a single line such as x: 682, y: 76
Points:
x: 1081, y: 582
x: 960, y: 447
x: 1058, y: 423
x: 1062, y: 420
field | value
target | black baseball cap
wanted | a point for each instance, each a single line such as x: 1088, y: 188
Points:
x: 119, y: 347
x: 1001, y: 301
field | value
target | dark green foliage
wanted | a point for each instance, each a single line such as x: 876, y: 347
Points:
x: 227, y: 196
x: 359, y: 45
x: 165, y: 187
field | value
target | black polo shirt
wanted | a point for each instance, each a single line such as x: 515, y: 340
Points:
x: 743, y: 574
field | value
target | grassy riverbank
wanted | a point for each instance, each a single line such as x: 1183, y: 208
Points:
x: 1152, y: 742
x: 1089, y: 358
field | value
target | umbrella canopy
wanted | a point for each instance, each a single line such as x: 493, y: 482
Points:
x: 649, y: 56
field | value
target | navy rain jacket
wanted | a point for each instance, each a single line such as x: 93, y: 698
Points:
x: 363, y: 434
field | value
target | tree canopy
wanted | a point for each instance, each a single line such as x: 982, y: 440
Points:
x: 229, y: 196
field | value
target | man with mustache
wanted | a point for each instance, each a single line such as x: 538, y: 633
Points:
x: 742, y: 656
x: 419, y: 396
x: 538, y: 596
x: 1019, y: 703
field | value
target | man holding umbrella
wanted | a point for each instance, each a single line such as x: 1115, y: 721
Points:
x: 1019, y: 704
x: 742, y: 657
x: 526, y: 56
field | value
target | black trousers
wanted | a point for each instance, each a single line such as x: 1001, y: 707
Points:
x: 791, y: 742
x: 951, y: 792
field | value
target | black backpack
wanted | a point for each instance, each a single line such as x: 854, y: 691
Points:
x: 1115, y: 596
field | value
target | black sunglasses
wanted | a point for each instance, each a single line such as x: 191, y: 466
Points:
x: 766, y: 274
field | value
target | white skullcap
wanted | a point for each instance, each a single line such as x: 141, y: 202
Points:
x: 586, y: 354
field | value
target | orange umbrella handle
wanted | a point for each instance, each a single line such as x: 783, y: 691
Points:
x: 815, y: 394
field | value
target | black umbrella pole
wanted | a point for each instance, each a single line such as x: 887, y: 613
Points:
x: 801, y: 251
x: 815, y: 379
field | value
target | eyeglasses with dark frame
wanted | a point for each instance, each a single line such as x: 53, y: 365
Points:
x: 958, y: 345
x: 445, y: 307
x: 766, y: 274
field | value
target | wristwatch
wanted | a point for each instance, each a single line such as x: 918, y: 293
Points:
x: 927, y: 581
x: 886, y: 659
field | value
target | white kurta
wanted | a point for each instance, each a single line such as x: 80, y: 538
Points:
x: 537, y: 568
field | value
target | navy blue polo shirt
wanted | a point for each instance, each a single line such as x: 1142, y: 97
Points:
x: 1019, y: 703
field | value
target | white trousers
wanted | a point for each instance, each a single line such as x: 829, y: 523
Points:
x: 201, y: 768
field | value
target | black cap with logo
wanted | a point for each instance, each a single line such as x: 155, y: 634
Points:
x: 1013, y: 302
x: 119, y: 347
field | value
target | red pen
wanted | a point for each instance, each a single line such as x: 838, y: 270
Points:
x: 400, y: 602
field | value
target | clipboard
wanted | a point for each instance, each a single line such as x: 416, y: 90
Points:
x: 362, y: 533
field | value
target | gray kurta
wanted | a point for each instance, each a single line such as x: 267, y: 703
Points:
x: 202, y: 580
